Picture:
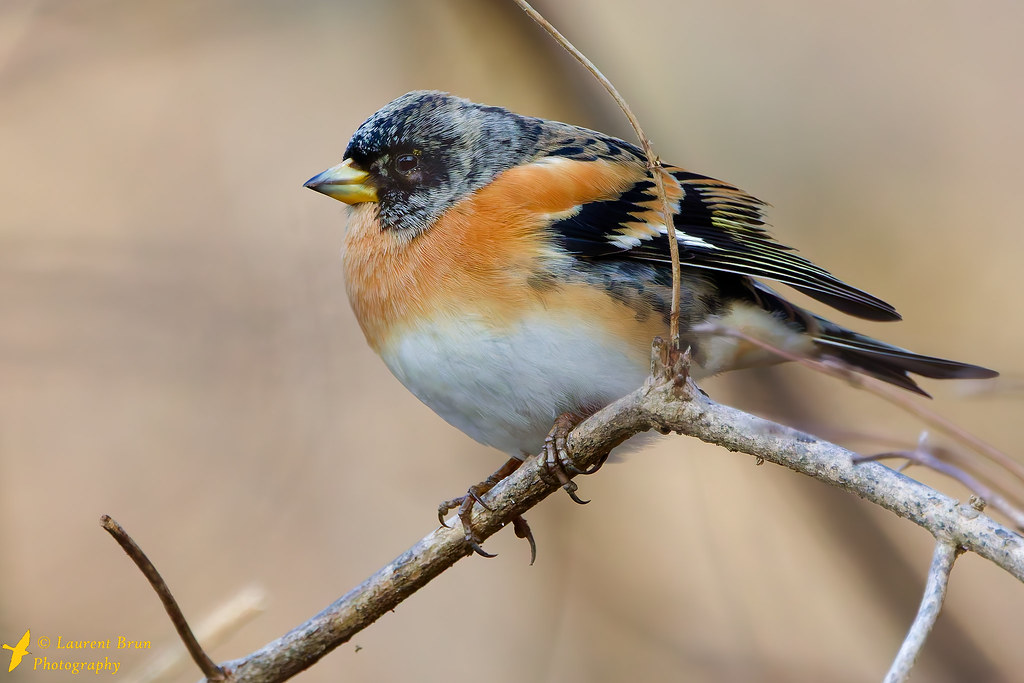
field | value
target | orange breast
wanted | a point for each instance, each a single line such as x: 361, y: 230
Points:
x: 480, y: 258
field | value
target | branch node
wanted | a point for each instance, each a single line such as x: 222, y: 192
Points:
x: 671, y: 365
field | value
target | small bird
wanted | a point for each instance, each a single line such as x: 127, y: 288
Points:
x: 19, y: 651
x: 510, y: 270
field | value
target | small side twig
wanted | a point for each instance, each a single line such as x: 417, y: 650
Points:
x: 132, y: 549
x: 214, y: 629
x: 898, y: 397
x: 931, y: 604
x: 654, y: 166
x: 921, y: 456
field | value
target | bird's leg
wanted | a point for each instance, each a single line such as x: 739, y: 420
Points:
x: 557, y: 462
x: 475, y: 493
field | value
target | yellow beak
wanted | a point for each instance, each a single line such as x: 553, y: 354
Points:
x: 344, y: 182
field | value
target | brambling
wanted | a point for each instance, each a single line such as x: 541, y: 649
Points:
x: 510, y: 270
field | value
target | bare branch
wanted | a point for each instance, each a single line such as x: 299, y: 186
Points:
x: 653, y: 163
x: 931, y: 604
x: 202, y: 660
x: 667, y: 402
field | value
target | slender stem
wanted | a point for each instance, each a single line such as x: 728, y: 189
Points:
x: 925, y: 459
x: 654, y: 166
x: 898, y: 397
x: 209, y: 669
x: 931, y: 604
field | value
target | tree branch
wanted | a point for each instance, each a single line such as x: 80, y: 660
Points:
x: 669, y: 401
x: 931, y: 604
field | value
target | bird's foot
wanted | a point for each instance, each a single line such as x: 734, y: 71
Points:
x: 475, y: 494
x: 557, y: 463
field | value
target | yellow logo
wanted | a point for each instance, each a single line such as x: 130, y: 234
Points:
x: 71, y: 655
x: 19, y: 651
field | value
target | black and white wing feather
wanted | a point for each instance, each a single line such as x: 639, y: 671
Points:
x: 718, y: 227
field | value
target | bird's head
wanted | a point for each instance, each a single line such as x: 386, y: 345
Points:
x: 425, y: 151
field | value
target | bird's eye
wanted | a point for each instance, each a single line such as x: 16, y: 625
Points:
x: 406, y: 163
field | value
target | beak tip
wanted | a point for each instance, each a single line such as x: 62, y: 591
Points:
x: 344, y: 182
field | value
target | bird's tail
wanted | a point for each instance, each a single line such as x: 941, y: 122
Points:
x: 870, y: 356
x: 890, y: 363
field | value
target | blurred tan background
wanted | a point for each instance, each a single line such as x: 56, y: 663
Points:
x: 176, y: 348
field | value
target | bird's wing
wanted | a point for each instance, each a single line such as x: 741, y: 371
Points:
x: 718, y: 227
x: 23, y: 643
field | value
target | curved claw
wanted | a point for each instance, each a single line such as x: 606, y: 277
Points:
x: 523, y: 530
x: 475, y: 494
x: 568, y: 485
x: 571, y: 488
x: 479, y: 550
x: 447, y: 506
x: 597, y: 465
x: 572, y: 469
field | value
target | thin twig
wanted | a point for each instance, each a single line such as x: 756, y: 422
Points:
x: 931, y: 604
x: 654, y: 166
x: 921, y: 456
x: 898, y: 397
x: 217, y: 627
x: 1012, y: 386
x: 208, y: 667
x: 942, y: 459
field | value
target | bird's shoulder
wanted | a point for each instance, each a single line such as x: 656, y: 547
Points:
x: 615, y: 212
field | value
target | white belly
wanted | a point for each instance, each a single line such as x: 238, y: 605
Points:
x: 506, y: 391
